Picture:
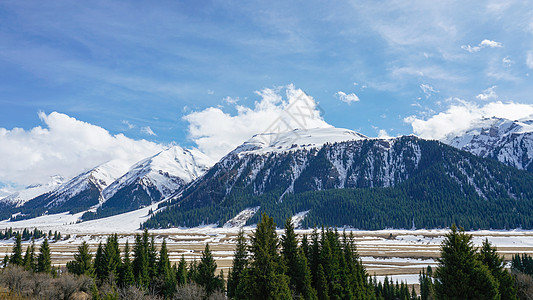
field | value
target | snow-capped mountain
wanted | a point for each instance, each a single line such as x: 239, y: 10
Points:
x: 77, y: 194
x: 508, y: 141
x: 152, y: 179
x: 266, y: 172
x: 19, y: 198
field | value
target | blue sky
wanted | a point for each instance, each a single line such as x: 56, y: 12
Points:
x: 138, y: 68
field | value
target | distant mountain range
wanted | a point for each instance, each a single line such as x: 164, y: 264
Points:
x: 110, y: 189
x: 328, y: 176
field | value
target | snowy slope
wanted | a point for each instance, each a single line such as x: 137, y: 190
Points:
x: 99, y: 177
x: 19, y: 198
x: 508, y: 141
x: 167, y: 171
x: 296, y: 139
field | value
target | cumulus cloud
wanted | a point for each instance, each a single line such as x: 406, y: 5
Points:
x: 347, y: 98
x: 483, y: 44
x: 217, y: 132
x: 428, y: 90
x: 147, y: 130
x: 383, y: 134
x: 488, y: 94
x: 463, y: 116
x: 64, y: 146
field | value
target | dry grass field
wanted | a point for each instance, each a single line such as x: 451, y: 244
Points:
x: 396, y: 253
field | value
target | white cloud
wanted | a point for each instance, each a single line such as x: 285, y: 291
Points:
x: 210, y: 92
x: 127, y: 123
x: 485, y: 43
x: 428, y: 90
x: 148, y: 131
x: 347, y: 98
x: 460, y: 117
x: 231, y: 100
x: 65, y: 146
x: 529, y: 59
x: 507, y: 61
x: 488, y: 94
x: 281, y: 109
x: 382, y: 134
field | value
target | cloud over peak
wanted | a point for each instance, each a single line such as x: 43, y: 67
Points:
x: 285, y: 108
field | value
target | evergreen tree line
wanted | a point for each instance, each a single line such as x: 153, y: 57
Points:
x: 465, y: 272
x: 322, y: 265
x: 40, y: 262
x: 27, y: 235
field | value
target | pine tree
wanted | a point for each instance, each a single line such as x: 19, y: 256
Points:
x: 152, y: 257
x: 426, y: 284
x: 181, y: 273
x: 44, y: 261
x: 126, y: 273
x: 266, y: 277
x: 166, y: 274
x: 489, y: 257
x: 100, y: 264
x: 140, y: 260
x: 296, y: 262
x: 82, y: 263
x: 16, y: 257
x: 322, y: 284
x: 460, y: 274
x: 240, y: 262
x: 112, y: 257
x: 206, y: 273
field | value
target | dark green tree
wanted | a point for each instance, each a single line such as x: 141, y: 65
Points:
x: 489, y: 257
x: 100, y: 264
x: 181, y: 273
x: 296, y: 263
x: 44, y: 260
x: 152, y: 257
x: 140, y: 260
x: 240, y: 262
x: 166, y: 274
x: 322, y: 284
x: 126, y: 273
x: 266, y: 277
x: 206, y: 273
x: 426, y: 284
x: 16, y: 257
x: 460, y: 275
x: 112, y: 257
x: 82, y: 263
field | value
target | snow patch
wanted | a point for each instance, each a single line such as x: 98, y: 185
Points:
x: 240, y: 219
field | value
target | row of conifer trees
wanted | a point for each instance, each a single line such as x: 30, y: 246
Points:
x: 323, y: 265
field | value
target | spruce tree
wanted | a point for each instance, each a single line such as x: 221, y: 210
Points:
x: 126, y: 273
x: 140, y: 260
x: 181, y: 273
x: 296, y: 263
x: 82, y: 263
x: 16, y: 257
x: 26, y: 260
x: 44, y: 261
x: 166, y: 274
x: 489, y: 257
x: 206, y: 273
x: 266, y: 277
x: 31, y: 264
x: 460, y: 275
x: 240, y: 262
x: 112, y: 256
x: 100, y: 264
x: 322, y: 284
x: 152, y: 257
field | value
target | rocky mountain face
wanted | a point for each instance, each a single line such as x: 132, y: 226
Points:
x: 264, y: 169
x: 508, y: 141
x: 112, y: 188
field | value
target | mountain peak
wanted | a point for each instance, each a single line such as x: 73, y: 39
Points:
x: 297, y: 139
